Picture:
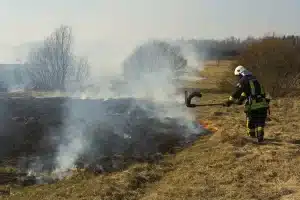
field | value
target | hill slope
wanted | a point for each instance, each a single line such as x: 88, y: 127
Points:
x: 225, y: 165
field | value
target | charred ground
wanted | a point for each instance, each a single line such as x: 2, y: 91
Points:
x: 115, y: 133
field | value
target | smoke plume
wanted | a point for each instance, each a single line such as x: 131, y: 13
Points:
x: 118, y: 116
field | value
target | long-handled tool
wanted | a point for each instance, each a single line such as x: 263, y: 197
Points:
x: 198, y: 105
x: 196, y: 93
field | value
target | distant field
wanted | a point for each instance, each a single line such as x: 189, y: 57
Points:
x: 211, y: 73
x: 215, y: 63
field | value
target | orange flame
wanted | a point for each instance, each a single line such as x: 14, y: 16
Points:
x: 208, y: 125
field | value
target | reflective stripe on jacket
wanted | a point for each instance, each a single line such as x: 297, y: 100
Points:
x: 249, y: 89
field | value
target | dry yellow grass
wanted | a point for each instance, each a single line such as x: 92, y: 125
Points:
x: 211, y: 73
x: 229, y: 166
x: 222, y: 166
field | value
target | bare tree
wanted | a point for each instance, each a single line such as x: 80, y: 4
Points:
x: 81, y: 70
x: 53, y: 65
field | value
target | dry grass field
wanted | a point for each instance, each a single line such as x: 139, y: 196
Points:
x: 228, y: 165
x: 223, y: 166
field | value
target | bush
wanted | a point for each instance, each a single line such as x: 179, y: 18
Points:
x: 274, y: 61
x: 154, y: 56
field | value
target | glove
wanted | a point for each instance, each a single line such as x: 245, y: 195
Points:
x: 227, y: 103
x: 240, y: 102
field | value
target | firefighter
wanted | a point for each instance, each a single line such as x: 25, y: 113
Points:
x: 256, y: 106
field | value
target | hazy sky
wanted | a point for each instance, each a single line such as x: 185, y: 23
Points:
x: 129, y: 21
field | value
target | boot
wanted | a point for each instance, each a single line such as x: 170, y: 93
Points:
x: 252, y: 134
x: 260, y: 135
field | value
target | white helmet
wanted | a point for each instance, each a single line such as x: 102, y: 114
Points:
x: 240, y: 70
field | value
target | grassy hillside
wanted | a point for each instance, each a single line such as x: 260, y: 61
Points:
x: 222, y: 166
x: 228, y: 165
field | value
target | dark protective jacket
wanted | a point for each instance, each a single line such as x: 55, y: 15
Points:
x: 248, y: 88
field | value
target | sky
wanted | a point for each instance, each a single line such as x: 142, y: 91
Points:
x: 119, y: 25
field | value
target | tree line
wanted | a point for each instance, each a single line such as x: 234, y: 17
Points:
x: 274, y: 60
x: 54, y: 66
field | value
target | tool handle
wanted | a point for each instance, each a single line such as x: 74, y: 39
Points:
x: 211, y: 104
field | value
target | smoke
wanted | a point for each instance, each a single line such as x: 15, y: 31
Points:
x: 194, y: 59
x: 74, y: 144
x: 113, y: 115
x: 160, y: 87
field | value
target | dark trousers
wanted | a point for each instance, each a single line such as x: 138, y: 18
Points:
x: 256, y: 121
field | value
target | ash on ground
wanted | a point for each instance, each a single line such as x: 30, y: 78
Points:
x: 108, y: 135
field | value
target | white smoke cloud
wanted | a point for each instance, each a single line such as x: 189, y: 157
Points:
x: 160, y: 87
